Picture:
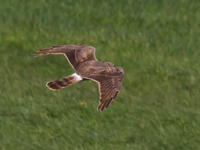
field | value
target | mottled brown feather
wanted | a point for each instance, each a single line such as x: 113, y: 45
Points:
x: 74, y: 53
x: 109, y: 85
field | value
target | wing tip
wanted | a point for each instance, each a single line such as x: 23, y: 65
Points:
x: 37, y: 54
x: 45, y: 51
x: 104, y: 105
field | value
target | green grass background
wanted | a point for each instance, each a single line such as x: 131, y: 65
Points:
x: 154, y: 110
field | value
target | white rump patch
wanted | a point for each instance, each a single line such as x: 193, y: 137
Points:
x: 78, y: 78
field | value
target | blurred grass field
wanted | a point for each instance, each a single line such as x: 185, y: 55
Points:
x: 155, y: 41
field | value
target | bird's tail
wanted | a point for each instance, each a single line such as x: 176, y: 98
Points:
x: 61, y: 83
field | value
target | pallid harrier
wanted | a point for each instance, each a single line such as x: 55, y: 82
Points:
x: 87, y: 67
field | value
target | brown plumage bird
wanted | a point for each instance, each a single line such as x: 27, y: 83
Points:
x: 87, y: 67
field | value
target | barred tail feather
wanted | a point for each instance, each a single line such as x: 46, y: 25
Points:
x: 61, y: 83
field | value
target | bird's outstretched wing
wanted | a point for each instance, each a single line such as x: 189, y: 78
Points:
x: 74, y: 53
x: 109, y: 86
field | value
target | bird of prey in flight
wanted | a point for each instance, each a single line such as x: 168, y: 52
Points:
x: 87, y: 67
